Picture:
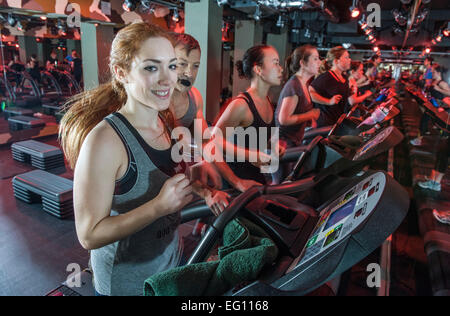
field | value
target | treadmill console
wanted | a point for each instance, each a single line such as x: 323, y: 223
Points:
x: 378, y: 139
x: 341, y: 217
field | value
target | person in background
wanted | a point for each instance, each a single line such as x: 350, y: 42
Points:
x: 17, y: 67
x: 440, y: 90
x: 356, y: 78
x: 330, y: 91
x: 16, y: 64
x: 428, y: 75
x: 52, y: 62
x: 252, y: 108
x: 187, y: 108
x: 295, y: 109
x: 33, y: 68
x: 77, y: 66
x: 373, y: 74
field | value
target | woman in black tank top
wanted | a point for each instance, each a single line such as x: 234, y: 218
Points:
x: 187, y: 108
x: 251, y: 109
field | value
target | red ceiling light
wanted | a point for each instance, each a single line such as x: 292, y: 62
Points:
x: 354, y: 9
x: 446, y: 33
x: 355, y: 13
x: 376, y: 49
x: 427, y: 50
x: 439, y: 38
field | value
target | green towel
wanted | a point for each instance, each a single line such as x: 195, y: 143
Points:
x: 246, y: 250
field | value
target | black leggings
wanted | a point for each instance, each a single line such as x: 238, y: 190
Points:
x: 442, y: 155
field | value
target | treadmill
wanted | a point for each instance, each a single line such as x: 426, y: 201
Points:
x: 315, y: 244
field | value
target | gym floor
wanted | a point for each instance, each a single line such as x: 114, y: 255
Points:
x: 35, y: 247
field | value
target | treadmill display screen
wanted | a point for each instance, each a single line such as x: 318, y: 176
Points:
x: 341, y: 213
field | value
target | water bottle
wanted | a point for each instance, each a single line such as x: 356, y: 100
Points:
x: 434, y: 102
x: 382, y: 96
x: 379, y: 114
x: 374, y: 118
x: 368, y: 121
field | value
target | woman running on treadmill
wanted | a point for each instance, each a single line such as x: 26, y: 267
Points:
x: 358, y: 80
x: 295, y: 109
x: 187, y: 107
x: 372, y: 72
x: 252, y: 108
x: 355, y: 79
x: 127, y: 189
x: 440, y: 90
x: 330, y: 90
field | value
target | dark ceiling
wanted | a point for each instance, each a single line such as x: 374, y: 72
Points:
x: 331, y: 23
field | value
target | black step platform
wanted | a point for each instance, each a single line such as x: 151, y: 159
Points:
x: 52, y: 108
x: 17, y: 123
x: 84, y: 288
x: 41, y: 155
x: 15, y: 111
x: 55, y: 193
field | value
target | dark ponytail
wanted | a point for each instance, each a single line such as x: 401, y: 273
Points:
x: 253, y: 56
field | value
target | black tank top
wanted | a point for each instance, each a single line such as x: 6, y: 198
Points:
x: 161, y: 159
x: 436, y: 94
x: 245, y: 170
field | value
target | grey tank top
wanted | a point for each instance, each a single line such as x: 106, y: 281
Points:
x: 188, y: 119
x: 121, y: 268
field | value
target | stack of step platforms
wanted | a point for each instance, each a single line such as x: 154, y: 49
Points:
x: 52, y: 108
x: 13, y: 111
x: 17, y: 123
x: 41, y: 155
x: 55, y: 192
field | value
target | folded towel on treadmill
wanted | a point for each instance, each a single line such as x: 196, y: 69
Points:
x: 246, y: 250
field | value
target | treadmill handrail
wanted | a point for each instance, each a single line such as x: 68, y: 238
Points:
x: 301, y: 160
x: 54, y: 81
x: 239, y: 203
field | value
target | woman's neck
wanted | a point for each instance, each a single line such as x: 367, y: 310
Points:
x: 259, y: 88
x: 304, y: 76
x: 337, y: 71
x: 140, y: 115
x: 178, y: 97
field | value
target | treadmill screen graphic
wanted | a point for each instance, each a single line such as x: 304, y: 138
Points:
x: 340, y: 214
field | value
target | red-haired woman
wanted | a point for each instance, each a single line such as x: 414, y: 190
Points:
x: 127, y: 189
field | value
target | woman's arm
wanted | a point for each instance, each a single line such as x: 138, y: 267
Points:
x: 317, y: 98
x: 287, y: 117
x: 355, y: 99
x: 234, y: 116
x: 443, y: 88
